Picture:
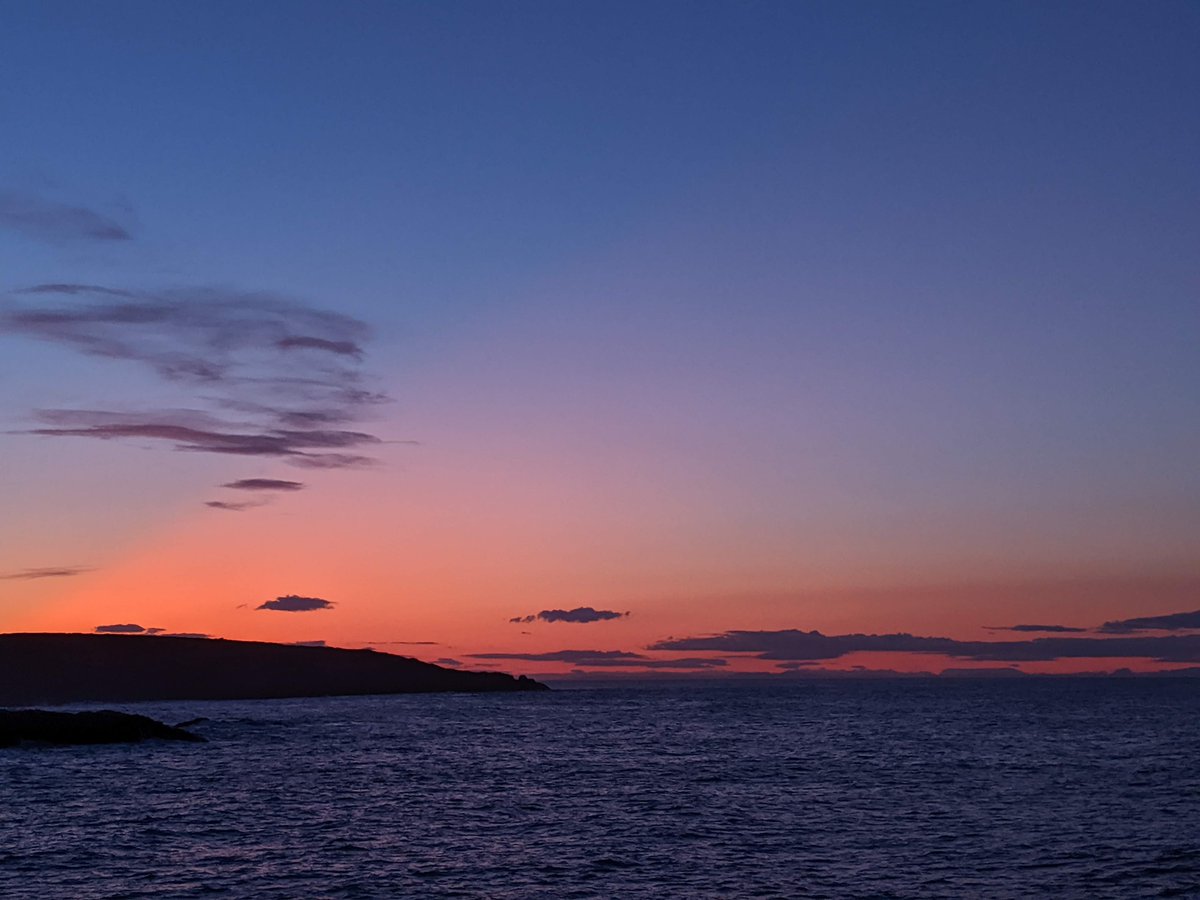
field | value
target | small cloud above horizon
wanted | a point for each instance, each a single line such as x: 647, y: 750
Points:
x: 296, y: 603
x: 579, y: 615
x: 1053, y: 629
x: 125, y: 629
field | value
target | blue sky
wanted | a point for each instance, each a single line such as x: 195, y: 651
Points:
x: 857, y: 289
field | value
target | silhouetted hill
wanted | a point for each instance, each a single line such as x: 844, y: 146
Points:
x: 69, y: 668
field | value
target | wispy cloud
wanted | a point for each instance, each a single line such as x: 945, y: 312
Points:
x: 1049, y: 629
x: 268, y: 375
x: 49, y: 220
x: 33, y: 574
x: 295, y: 603
x: 581, y: 614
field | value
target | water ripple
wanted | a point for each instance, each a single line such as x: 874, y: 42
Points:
x: 1081, y: 788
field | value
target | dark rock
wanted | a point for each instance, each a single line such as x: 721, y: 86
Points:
x: 19, y: 726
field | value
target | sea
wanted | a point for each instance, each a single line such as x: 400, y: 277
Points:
x: 905, y: 788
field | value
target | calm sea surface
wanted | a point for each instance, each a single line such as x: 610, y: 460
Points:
x: 1083, y: 788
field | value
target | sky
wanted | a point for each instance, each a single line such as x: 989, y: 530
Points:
x: 606, y: 337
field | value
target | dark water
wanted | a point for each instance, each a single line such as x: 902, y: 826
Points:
x: 1083, y: 788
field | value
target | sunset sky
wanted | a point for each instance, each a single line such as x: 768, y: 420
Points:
x: 744, y: 319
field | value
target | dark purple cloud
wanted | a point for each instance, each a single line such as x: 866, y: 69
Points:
x: 1051, y: 629
x: 295, y: 603
x: 1173, y: 622
x: 793, y: 644
x: 53, y: 572
x: 263, y: 484
x: 122, y: 629
x: 49, y: 220
x: 269, y: 376
x: 581, y: 614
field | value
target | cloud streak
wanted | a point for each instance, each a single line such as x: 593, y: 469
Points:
x: 48, y: 220
x: 1049, y: 629
x: 295, y: 603
x: 581, y: 615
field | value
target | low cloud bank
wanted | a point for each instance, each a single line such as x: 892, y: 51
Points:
x: 1183, y: 621
x: 792, y: 644
x: 608, y: 659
